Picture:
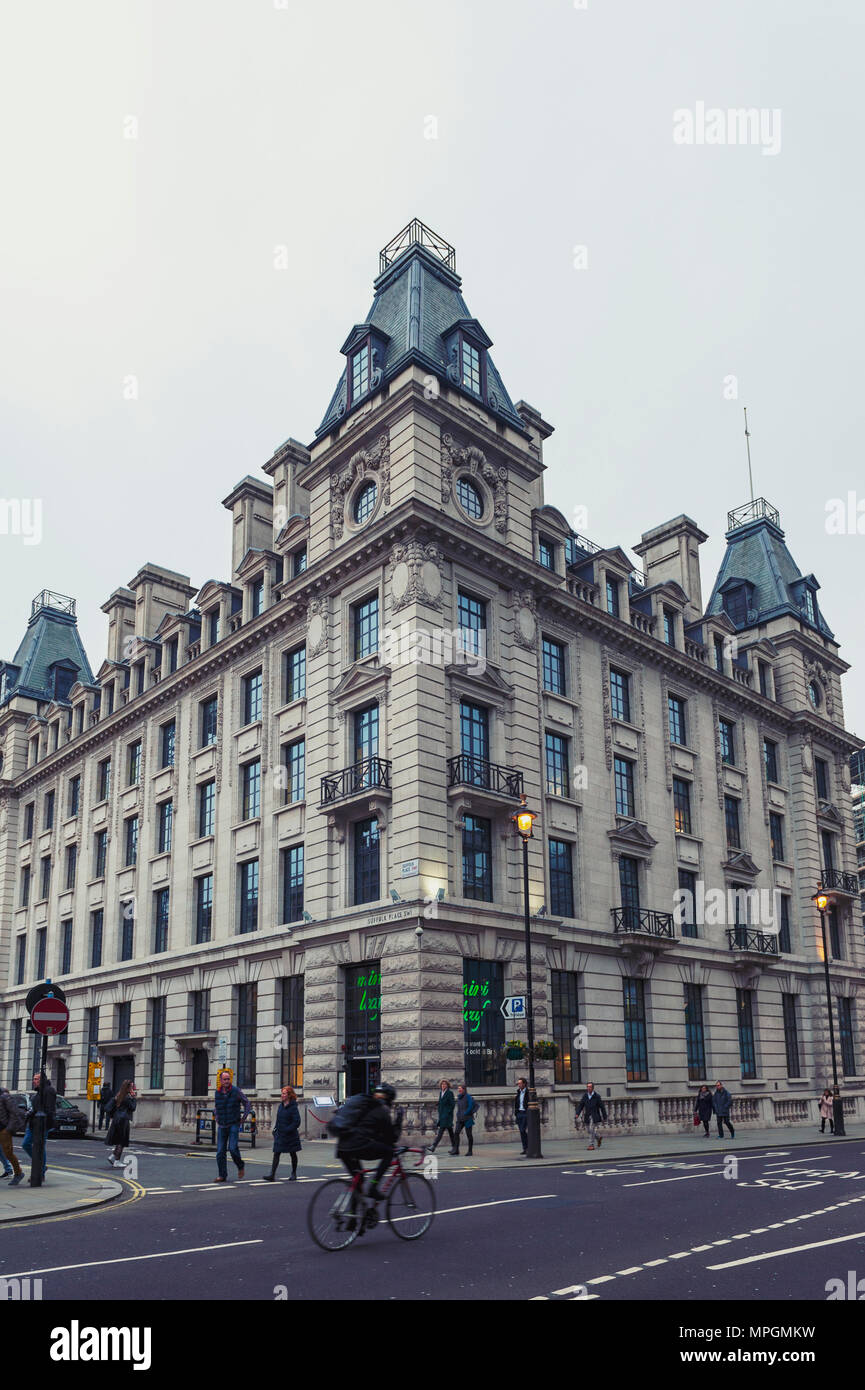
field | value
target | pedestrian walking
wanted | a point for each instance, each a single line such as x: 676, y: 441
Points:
x: 231, y: 1108
x: 447, y: 1102
x: 11, y: 1118
x: 44, y: 1098
x: 286, y: 1134
x: 721, y: 1102
x: 703, y: 1109
x: 467, y: 1108
x: 104, y: 1101
x: 594, y: 1115
x: 119, y: 1112
x: 521, y: 1113
x: 826, y: 1112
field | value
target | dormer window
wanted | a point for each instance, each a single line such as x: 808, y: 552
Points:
x: 471, y: 367
x: 612, y: 598
x: 735, y: 605
x: 258, y: 596
x: 360, y: 373
x: 810, y: 607
x: 669, y: 627
x: 546, y: 553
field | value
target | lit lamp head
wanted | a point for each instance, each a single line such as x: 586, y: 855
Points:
x: 524, y: 819
x: 822, y: 901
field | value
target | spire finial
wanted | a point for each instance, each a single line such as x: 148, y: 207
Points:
x: 748, y: 447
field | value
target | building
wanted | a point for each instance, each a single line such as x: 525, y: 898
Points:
x: 275, y: 826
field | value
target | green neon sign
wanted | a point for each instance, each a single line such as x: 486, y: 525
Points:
x: 475, y: 1001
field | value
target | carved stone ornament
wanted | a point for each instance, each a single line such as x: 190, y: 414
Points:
x: 416, y: 575
x: 365, y: 462
x: 815, y: 671
x: 454, y: 458
x: 525, y: 623
x: 316, y: 625
x: 807, y: 759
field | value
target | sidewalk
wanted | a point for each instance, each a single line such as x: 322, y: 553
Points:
x: 319, y: 1153
x: 62, y: 1190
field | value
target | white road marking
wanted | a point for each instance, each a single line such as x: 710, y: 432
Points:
x: 474, y: 1206
x: 652, y: 1182
x: 128, y: 1259
x: 697, y: 1249
x: 650, y: 1264
x: 602, y: 1279
x: 681, y: 1255
x: 635, y: 1269
x: 792, y: 1250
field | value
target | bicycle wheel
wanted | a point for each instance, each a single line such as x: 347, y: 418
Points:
x: 411, y: 1205
x: 329, y: 1217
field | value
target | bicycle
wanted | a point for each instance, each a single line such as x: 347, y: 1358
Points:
x: 341, y: 1211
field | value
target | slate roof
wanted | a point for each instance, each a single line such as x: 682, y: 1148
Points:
x: 417, y: 300
x: 51, y: 636
x: 757, y: 554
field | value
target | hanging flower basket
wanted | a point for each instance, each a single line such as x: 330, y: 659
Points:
x: 515, y: 1051
x: 546, y: 1051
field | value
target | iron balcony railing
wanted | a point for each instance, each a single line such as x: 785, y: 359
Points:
x: 759, y: 510
x: 642, y: 919
x: 417, y: 233
x: 364, y: 776
x: 468, y: 771
x: 837, y: 881
x: 747, y: 939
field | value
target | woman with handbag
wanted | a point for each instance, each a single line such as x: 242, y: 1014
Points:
x: 826, y: 1112
x: 119, y: 1110
x: 703, y: 1109
x: 286, y: 1134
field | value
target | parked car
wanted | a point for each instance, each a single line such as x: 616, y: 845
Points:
x: 68, y: 1119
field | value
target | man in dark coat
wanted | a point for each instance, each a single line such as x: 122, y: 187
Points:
x: 445, y: 1125
x: 721, y: 1103
x: 104, y: 1097
x: 286, y: 1134
x: 466, y: 1110
x: 228, y: 1103
x: 373, y: 1135
x: 595, y: 1113
x: 44, y: 1098
x: 521, y: 1112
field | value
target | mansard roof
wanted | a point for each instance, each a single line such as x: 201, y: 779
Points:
x: 758, y: 559
x: 51, y: 639
x: 417, y: 310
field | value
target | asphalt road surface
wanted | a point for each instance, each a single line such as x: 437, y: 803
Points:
x: 724, y: 1225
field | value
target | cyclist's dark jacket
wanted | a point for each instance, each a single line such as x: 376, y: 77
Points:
x: 375, y: 1127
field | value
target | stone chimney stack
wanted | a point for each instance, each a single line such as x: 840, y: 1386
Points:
x: 672, y: 551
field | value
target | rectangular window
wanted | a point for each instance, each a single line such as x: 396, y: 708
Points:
x: 15, y: 1052
x: 294, y: 760
x: 719, y: 654
x: 20, y: 958
x: 669, y: 627
x: 251, y: 790
x: 554, y: 667
x: 131, y: 841
x: 103, y: 780
x: 166, y: 743
x: 252, y: 687
x: 71, y: 865
x: 199, y: 1010
x: 770, y: 759
x: 471, y: 361
x: 636, y: 1048
x: 123, y: 1023
x: 791, y: 1035
x: 681, y: 806
x: 109, y: 698
x: 827, y: 841
x: 360, y: 373
x: 845, y: 1036
x: 139, y: 678
x: 161, y: 905
x: 209, y: 715
x: 776, y: 834
x: 248, y: 878
x: 695, y: 1042
x: 203, y: 908
x: 613, y: 598
x: 565, y: 1018
x: 298, y: 562
x: 247, y: 1014
x: 620, y: 695
x: 157, y: 1042
x: 688, y: 910
x: 206, y: 808
x: 727, y: 738
x: 546, y: 554
x: 66, y: 946
x: 365, y: 627
x: 836, y: 946
x: 483, y: 1025
x: 213, y: 626
x: 731, y: 822
x: 172, y: 655
x: 48, y: 818
x: 133, y: 764
x: 127, y: 929
x: 472, y: 623
x: 29, y: 810
x: 784, y: 943
x: 367, y: 886
x: 629, y: 887
x: 623, y: 776
x: 294, y: 675
x: 763, y: 672
x: 561, y: 878
x: 100, y: 853
x: 676, y: 713
x: 747, y: 1054
x: 45, y: 876
x: 477, y: 859
x: 41, y: 937
x: 475, y: 743
x: 97, y: 920
x: 25, y: 886
x: 74, y: 795
x: 257, y: 597
x: 291, y: 1017
x: 165, y: 812
x: 821, y: 776
x: 292, y: 883
x: 558, y: 772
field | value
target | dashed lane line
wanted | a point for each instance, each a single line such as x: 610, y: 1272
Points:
x: 792, y: 1250
x: 129, y: 1259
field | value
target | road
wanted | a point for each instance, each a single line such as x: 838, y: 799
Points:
x: 769, y: 1226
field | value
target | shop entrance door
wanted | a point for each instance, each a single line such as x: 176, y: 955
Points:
x: 200, y: 1074
x: 363, y: 1074
x: 124, y: 1070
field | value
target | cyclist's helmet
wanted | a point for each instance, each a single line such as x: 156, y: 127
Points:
x: 383, y: 1089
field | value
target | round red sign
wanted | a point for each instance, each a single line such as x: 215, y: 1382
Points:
x: 49, y: 1016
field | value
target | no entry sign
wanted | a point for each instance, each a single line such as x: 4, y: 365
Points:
x: 49, y: 1016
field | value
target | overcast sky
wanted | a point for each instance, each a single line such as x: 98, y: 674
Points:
x: 156, y: 154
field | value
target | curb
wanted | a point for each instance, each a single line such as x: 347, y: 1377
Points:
x: 77, y: 1206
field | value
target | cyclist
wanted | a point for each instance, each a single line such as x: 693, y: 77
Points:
x: 373, y: 1134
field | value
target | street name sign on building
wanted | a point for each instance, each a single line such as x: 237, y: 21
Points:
x: 514, y: 1006
x: 49, y: 1016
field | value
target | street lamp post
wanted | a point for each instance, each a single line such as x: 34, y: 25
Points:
x: 822, y: 901
x: 524, y: 819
